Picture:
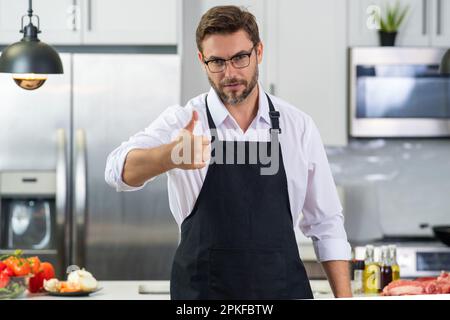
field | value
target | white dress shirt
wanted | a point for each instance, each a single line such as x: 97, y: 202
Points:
x: 311, y: 186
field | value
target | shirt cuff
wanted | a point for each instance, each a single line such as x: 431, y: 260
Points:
x: 121, y: 185
x: 332, y: 249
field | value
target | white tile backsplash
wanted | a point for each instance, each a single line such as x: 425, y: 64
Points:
x: 393, y: 185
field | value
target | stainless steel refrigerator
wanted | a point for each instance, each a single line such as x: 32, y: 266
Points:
x: 54, y: 143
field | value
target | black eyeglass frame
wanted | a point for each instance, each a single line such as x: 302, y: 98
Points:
x: 248, y: 54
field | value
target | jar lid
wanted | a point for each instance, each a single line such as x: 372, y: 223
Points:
x: 360, y: 253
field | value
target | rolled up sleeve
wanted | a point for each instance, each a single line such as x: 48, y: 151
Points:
x: 159, y: 132
x: 322, y: 219
x: 114, y: 168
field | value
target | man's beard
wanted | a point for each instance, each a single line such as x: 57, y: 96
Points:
x: 233, y: 98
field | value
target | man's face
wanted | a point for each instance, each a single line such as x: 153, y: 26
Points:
x: 233, y: 85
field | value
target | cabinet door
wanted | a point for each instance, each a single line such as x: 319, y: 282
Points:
x: 415, y: 30
x: 10, y: 14
x: 307, y: 61
x: 361, y: 26
x: 440, y: 25
x: 256, y: 7
x: 132, y: 22
x: 59, y: 20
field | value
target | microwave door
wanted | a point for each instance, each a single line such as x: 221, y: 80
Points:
x: 398, y: 92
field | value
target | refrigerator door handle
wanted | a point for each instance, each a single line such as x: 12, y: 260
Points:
x: 80, y: 201
x: 62, y: 223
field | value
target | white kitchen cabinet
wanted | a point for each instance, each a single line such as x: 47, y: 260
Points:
x: 306, y: 52
x: 426, y: 24
x: 415, y: 29
x: 131, y: 22
x: 60, y: 21
x: 95, y: 22
x: 256, y: 7
x: 440, y: 26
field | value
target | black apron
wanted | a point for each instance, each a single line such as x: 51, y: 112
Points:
x: 239, y: 242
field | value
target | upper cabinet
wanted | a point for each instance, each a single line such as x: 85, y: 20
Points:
x: 94, y: 22
x: 256, y: 7
x: 306, y: 54
x: 142, y: 22
x: 59, y: 20
x: 440, y: 26
x: 424, y: 25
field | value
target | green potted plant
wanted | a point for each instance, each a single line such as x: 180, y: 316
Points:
x: 391, y: 22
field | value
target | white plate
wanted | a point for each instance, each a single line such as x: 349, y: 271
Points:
x: 73, y: 294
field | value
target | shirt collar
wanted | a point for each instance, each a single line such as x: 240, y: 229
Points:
x: 219, y: 112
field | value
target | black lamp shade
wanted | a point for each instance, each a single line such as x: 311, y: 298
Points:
x: 30, y: 57
x: 445, y: 64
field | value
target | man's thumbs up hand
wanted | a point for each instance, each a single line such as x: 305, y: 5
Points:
x: 191, y: 124
x: 190, y: 151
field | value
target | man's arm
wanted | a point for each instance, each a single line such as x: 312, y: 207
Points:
x: 144, y: 164
x: 323, y: 220
x: 338, y: 274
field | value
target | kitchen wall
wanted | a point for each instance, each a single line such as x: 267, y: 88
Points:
x: 393, y: 186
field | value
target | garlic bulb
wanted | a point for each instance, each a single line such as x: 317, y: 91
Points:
x: 82, y: 279
x: 52, y: 285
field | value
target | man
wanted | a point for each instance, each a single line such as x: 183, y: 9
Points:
x: 237, y: 220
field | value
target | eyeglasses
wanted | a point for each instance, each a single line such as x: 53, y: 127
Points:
x: 239, y: 61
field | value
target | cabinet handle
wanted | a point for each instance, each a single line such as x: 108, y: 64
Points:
x: 439, y: 17
x: 76, y: 12
x: 424, y: 17
x: 61, y: 197
x: 79, y: 217
x: 89, y: 10
x: 73, y: 16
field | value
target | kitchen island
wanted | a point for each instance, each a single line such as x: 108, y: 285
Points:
x: 159, y: 290
x: 154, y: 290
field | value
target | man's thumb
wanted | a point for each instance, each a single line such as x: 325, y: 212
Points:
x: 191, y: 124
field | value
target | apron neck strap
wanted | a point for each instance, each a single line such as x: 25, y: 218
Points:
x: 273, y: 114
x: 211, y: 123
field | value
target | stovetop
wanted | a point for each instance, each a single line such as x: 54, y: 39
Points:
x: 406, y: 242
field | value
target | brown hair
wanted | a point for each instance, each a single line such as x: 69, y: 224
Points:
x: 226, y: 20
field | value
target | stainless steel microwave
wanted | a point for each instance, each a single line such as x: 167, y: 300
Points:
x: 398, y: 92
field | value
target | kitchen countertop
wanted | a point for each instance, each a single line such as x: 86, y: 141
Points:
x: 129, y: 290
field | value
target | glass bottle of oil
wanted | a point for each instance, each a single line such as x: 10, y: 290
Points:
x: 394, y: 264
x: 371, y: 274
x: 358, y: 270
x: 385, y: 268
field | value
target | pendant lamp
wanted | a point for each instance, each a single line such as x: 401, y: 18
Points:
x: 30, y: 60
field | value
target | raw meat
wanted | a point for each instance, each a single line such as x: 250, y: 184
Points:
x: 403, y: 287
x: 427, y: 285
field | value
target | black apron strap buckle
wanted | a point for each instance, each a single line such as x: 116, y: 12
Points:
x: 278, y: 130
x: 274, y: 116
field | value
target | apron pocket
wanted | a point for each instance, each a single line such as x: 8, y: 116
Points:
x: 247, y: 274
